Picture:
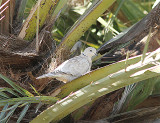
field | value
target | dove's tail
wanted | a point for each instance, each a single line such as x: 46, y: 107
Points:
x: 48, y: 75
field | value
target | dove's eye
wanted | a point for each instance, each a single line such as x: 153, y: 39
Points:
x: 91, y: 50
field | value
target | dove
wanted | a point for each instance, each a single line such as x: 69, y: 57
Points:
x: 74, y: 67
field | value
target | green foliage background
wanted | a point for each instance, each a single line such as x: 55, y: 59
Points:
x: 119, y: 17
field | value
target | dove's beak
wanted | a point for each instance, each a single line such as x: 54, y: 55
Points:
x: 95, y: 55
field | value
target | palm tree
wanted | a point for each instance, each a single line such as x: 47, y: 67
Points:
x: 37, y: 36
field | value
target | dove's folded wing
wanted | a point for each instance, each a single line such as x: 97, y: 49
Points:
x: 76, y: 66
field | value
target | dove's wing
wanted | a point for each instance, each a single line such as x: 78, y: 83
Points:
x: 76, y: 66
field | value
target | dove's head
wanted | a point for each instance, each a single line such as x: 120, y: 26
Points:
x: 90, y: 51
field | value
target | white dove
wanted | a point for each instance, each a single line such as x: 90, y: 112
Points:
x: 74, y: 67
